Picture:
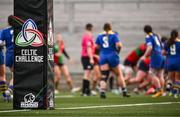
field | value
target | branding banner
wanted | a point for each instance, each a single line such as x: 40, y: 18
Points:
x: 33, y: 86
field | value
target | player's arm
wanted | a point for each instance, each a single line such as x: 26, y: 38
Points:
x: 2, y: 43
x: 118, y: 43
x: 149, y: 47
x: 66, y: 54
x: 147, y: 52
x: 90, y: 53
x: 1, y: 39
x: 118, y: 46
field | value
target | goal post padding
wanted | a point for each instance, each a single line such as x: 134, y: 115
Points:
x: 33, y: 54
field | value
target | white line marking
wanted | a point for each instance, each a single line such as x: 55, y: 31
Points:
x: 64, y: 96
x: 123, y: 105
x: 94, y: 107
x: 11, y: 111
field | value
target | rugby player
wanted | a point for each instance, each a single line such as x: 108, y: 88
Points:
x: 87, y: 58
x: 108, y: 43
x: 132, y: 59
x: 59, y: 50
x: 172, y: 50
x: 3, y: 85
x: 7, y: 37
x: 154, y: 50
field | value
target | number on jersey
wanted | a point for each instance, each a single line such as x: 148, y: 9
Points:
x: 105, y: 42
x: 173, y: 50
x: 157, y: 41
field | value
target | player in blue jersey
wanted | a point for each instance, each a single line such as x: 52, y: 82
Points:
x: 108, y: 43
x: 154, y: 50
x: 3, y: 85
x: 172, y: 50
x: 7, y: 37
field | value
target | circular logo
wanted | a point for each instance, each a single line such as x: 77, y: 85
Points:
x: 29, y: 35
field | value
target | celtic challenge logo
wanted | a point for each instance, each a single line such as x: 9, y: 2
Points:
x: 29, y: 35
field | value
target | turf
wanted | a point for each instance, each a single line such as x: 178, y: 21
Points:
x: 169, y: 110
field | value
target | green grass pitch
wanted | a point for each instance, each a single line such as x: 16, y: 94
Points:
x: 114, y: 106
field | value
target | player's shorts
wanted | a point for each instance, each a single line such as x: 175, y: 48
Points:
x: 1, y: 58
x: 173, y: 64
x: 143, y: 66
x: 85, y: 61
x: 96, y: 61
x: 9, y: 58
x: 157, y: 62
x: 59, y: 64
x: 112, y: 59
x: 128, y: 63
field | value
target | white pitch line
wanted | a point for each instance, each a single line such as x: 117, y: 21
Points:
x: 94, y: 107
x: 12, y: 111
x: 123, y: 105
x: 64, y: 96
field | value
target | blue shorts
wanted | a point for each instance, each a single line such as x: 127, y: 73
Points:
x: 9, y: 59
x: 157, y: 62
x: 1, y: 58
x: 173, y: 64
x: 111, y: 59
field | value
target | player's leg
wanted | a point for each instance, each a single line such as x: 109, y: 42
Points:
x: 104, y: 77
x: 87, y: 66
x: 111, y: 81
x: 121, y: 82
x: 68, y: 78
x: 96, y: 78
x: 57, y: 77
x: 176, y: 85
x: 139, y: 77
x: 3, y: 85
x: 10, y: 65
x: 161, y: 78
x: 155, y: 80
x: 128, y: 71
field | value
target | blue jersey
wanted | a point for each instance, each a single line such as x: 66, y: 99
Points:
x: 1, y: 40
x: 107, y: 42
x: 108, y: 51
x: 157, y: 59
x: 7, y: 36
x: 173, y: 56
x: 173, y: 50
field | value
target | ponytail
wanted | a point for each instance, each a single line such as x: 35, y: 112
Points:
x: 174, y: 35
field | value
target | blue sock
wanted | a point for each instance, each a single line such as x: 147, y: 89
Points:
x: 11, y: 87
x: 176, y: 87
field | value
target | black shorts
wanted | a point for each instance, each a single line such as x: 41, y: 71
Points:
x: 128, y: 63
x: 59, y: 64
x: 143, y: 66
x: 86, y: 63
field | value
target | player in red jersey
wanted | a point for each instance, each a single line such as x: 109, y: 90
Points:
x: 59, y: 50
x: 132, y: 59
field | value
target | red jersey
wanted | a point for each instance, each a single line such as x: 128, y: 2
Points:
x: 87, y: 41
x: 147, y: 61
x: 136, y: 54
x: 59, y: 47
